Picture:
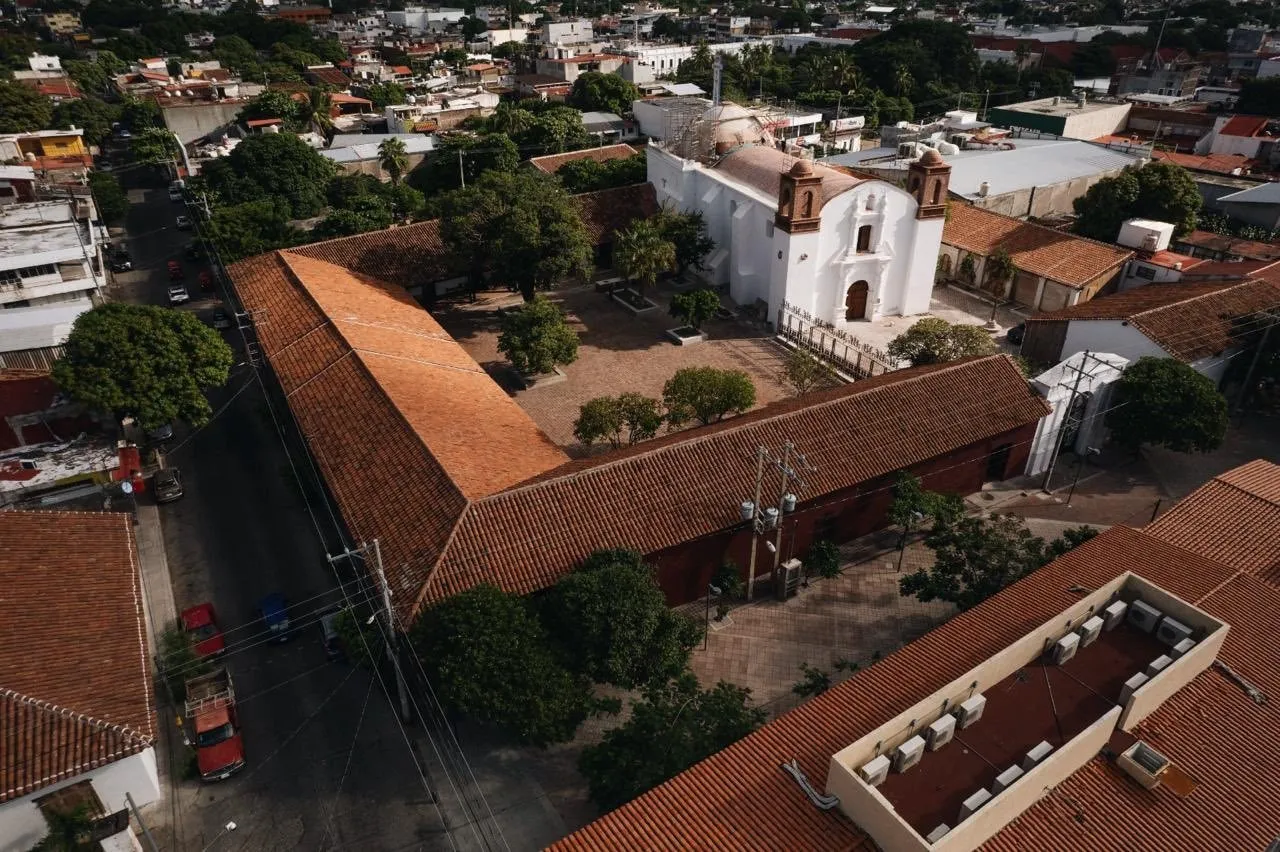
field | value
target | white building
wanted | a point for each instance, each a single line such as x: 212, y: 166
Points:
x: 419, y: 18
x: 50, y: 273
x: 1079, y: 390
x: 568, y: 32
x: 802, y: 236
x: 650, y: 61
x: 75, y: 693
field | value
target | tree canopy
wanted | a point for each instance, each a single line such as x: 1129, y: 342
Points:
x: 613, y: 621
x: 271, y: 166
x: 88, y: 113
x: 110, y: 199
x: 935, y: 341
x: 590, y: 175
x: 707, y: 394
x: 642, y: 253
x: 536, y: 337
x: 687, y: 232
x: 1166, y: 403
x: 1260, y: 97
x: 597, y: 92
x: 273, y: 103
x: 695, y: 307
x: 460, y: 156
x: 627, y: 418
x: 22, y: 108
x: 489, y: 658
x: 804, y: 373
x: 675, y: 726
x: 254, y: 227
x: 149, y: 362
x: 153, y: 146
x: 1160, y: 190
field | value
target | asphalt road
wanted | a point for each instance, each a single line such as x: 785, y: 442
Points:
x: 328, y: 766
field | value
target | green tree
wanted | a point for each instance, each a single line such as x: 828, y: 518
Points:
x: 675, y: 726
x: 23, y: 109
x: 688, y: 233
x: 274, y: 103
x: 70, y: 830
x: 824, y: 560
x: 254, y: 227
x: 89, y: 114
x: 111, y: 201
x: 510, y: 119
x: 590, y: 176
x: 975, y: 557
x: 237, y: 54
x: 613, y: 622
x: 466, y: 156
x: 805, y: 373
x: 152, y: 363
x: 642, y: 253
x: 138, y: 114
x: 630, y: 417
x: 695, y: 307
x: 1164, y: 402
x: 556, y: 130
x: 536, y: 337
x: 179, y: 661
x: 707, y: 395
x: 393, y: 159
x: 999, y: 269
x: 319, y: 110
x: 936, y: 341
x: 522, y: 228
x: 490, y: 660
x: 362, y: 643
x: 1259, y: 97
x: 596, y: 92
x: 1160, y: 190
x: 363, y: 214
x: 154, y: 146
x: 384, y: 95
x: 272, y: 166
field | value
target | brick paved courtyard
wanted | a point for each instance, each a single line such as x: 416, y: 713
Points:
x: 618, y: 352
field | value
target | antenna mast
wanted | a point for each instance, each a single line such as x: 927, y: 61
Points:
x: 717, y: 67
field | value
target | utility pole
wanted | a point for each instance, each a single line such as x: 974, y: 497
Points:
x: 762, y: 453
x: 785, y: 503
x: 1253, y: 364
x: 1062, y: 430
x: 462, y: 175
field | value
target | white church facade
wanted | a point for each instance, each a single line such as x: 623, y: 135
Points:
x: 842, y: 248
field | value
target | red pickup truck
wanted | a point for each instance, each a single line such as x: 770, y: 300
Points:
x: 214, y: 728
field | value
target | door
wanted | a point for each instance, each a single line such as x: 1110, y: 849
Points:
x: 997, y: 462
x: 855, y: 301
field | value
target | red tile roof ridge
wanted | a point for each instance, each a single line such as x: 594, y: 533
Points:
x: 129, y: 733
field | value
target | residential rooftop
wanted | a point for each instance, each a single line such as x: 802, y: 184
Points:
x: 37, y: 244
x: 551, y: 163
x: 1060, y: 106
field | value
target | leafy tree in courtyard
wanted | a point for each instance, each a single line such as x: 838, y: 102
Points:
x: 22, y: 108
x: 695, y: 307
x: 591, y: 176
x: 384, y: 95
x: 642, y: 253
x: 272, y: 166
x: 522, y: 229
x: 998, y: 269
x: 110, y: 199
x: 975, y: 557
x: 596, y: 92
x: 688, y: 233
x: 936, y: 341
x: 462, y: 155
x: 912, y: 505
x: 536, y: 337
x: 675, y: 726
x: 1165, y: 402
x: 89, y: 114
x: 490, y: 660
x: 393, y: 158
x: 254, y: 227
x: 824, y: 560
x: 628, y: 418
x: 613, y: 622
x: 1159, y: 190
x: 152, y: 363
x: 707, y: 395
x: 805, y: 373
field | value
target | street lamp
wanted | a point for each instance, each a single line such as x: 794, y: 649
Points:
x: 1084, y: 459
x: 713, y: 591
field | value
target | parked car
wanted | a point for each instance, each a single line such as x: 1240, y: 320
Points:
x: 275, y: 614
x: 175, y: 193
x: 201, y: 625
x: 195, y: 251
x: 175, y: 270
x: 329, y: 633
x: 167, y: 485
x: 121, y: 262
x: 206, y: 281
x: 183, y: 223
x: 220, y: 319
x: 178, y: 294
x: 161, y: 433
x: 1016, y: 334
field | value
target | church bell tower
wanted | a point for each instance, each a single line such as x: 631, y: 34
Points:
x: 927, y: 180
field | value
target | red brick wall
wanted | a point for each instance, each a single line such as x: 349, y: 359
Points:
x: 685, y: 570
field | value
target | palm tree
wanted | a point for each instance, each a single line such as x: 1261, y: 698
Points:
x: 511, y: 119
x: 642, y: 254
x: 319, y: 110
x: 393, y: 159
x: 903, y: 81
x: 844, y: 74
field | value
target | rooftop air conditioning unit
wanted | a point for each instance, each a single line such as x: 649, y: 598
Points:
x: 1172, y: 632
x: 938, y: 833
x: 1089, y: 631
x: 1132, y: 685
x: 1143, y: 764
x: 1183, y: 647
x: 1006, y: 778
x: 1113, y: 614
x: 1065, y: 648
x: 1036, y: 756
x: 940, y: 732
x: 1158, y: 665
x: 908, y: 754
x: 875, y: 771
x: 970, y: 710
x: 974, y: 802
x: 906, y: 150
x: 1143, y: 616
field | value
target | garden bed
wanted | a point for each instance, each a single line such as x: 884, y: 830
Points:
x: 686, y: 335
x: 537, y: 380
x: 633, y: 301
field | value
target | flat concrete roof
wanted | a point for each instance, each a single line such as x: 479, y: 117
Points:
x: 1041, y: 702
x: 21, y: 247
x: 1065, y: 106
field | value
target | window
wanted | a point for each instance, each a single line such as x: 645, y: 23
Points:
x: 72, y: 271
x: 937, y: 192
x: 1146, y: 272
x: 9, y: 276
x: 864, y: 239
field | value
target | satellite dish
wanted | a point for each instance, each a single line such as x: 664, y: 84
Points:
x: 126, y: 486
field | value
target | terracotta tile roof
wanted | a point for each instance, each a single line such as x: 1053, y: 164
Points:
x: 761, y: 167
x: 1245, y: 125
x: 401, y: 421
x: 1219, y: 163
x: 410, y: 255
x: 608, y: 211
x: 740, y: 799
x: 75, y: 670
x: 1220, y: 269
x: 853, y: 434
x: 1058, y: 256
x: 1189, y: 321
x: 551, y: 163
x: 1234, y: 519
x: 1248, y: 249
x: 330, y: 76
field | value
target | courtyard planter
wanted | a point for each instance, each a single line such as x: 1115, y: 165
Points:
x: 633, y: 301
x: 529, y: 381
x: 686, y: 335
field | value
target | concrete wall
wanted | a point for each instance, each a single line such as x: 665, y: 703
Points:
x: 1046, y: 200
x: 1093, y: 123
x: 875, y: 815
x: 1109, y: 336
x: 22, y: 825
x: 192, y: 121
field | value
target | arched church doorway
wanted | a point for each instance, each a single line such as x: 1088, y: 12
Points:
x: 855, y: 301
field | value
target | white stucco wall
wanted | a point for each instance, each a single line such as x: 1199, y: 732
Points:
x: 1109, y: 336
x: 1057, y: 385
x: 22, y: 825
x: 812, y: 271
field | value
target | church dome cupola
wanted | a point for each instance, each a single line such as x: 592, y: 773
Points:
x: 927, y: 180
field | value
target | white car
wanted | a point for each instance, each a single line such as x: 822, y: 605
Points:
x: 178, y: 294
x: 183, y: 223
